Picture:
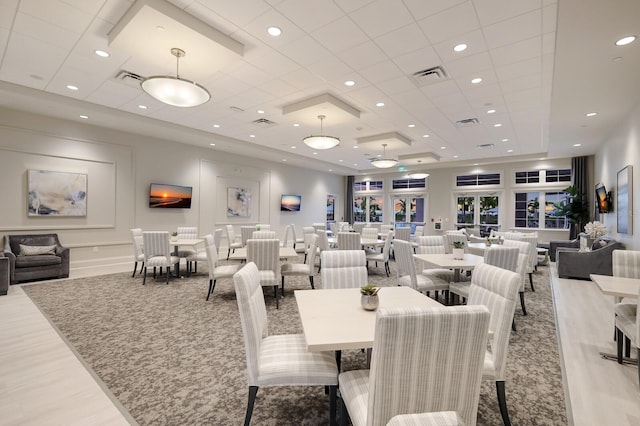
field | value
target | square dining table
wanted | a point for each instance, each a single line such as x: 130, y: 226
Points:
x: 284, y: 253
x: 334, y: 320
x: 447, y: 261
x: 618, y: 287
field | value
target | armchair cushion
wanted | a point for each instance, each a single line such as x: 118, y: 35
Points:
x: 572, y: 263
x: 26, y: 250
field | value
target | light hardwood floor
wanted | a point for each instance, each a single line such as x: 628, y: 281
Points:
x: 42, y: 382
x: 597, y: 391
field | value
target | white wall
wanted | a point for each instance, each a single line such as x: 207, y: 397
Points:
x: 120, y: 166
x: 622, y: 148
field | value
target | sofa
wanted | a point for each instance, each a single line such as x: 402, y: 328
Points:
x: 36, y: 257
x: 572, y: 263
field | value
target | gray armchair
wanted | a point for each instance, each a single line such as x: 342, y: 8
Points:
x: 36, y: 257
x: 554, y: 245
x: 572, y: 263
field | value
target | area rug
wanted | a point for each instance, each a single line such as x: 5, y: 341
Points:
x: 172, y: 358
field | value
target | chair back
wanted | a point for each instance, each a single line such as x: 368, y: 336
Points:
x: 265, y: 254
x: 418, y: 360
x: 431, y: 244
x: 319, y: 226
x: 217, y: 239
x: 386, y: 228
x: 253, y: 316
x: 449, y: 239
x: 358, y: 226
x: 502, y: 257
x: 626, y: 263
x: 245, y: 233
x: 403, y: 233
x: 231, y: 234
x: 138, y: 244
x: 369, y: 234
x: 349, y: 241
x: 343, y: 268
x: 263, y: 227
x: 156, y: 244
x: 419, y: 232
x: 323, y: 240
x: 532, y: 240
x: 285, y: 237
x: 405, y: 263
x: 263, y: 235
x: 212, y: 253
x: 343, y: 226
x: 497, y: 289
x: 312, y: 253
x: 187, y: 232
x: 308, y: 230
x: 386, y: 249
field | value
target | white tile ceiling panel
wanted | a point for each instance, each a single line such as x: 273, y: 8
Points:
x: 279, y: 88
x: 25, y: 55
x: 210, y: 17
x: 80, y: 78
x: 298, y: 12
x: 113, y: 94
x: 549, y: 18
x: 514, y: 30
x: 445, y: 88
x: 382, y: 71
x: 7, y: 14
x: 113, y: 10
x: 396, y: 85
x: 57, y: 13
x: 519, y: 69
x: 4, y: 40
x: 43, y: 31
x: 401, y: 41
x: 91, y: 7
x: 460, y: 67
x: 492, y: 11
x: 417, y: 61
x: 258, y: 28
x: 474, y: 41
x: 381, y: 17
x: 516, y: 52
x: 450, y: 23
x: 423, y: 8
x: 331, y: 70
x: 340, y: 35
x: 363, y: 55
x: 240, y: 12
x: 298, y: 50
x: 522, y: 83
x: 349, y: 6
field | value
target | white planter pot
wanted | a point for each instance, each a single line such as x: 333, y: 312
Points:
x: 458, y: 253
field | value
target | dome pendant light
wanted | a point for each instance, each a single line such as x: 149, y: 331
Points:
x: 175, y: 91
x: 321, y: 141
x: 418, y: 174
x: 383, y: 162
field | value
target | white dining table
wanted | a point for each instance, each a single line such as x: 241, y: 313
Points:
x: 284, y: 253
x: 176, y: 244
x: 334, y: 320
x: 447, y: 261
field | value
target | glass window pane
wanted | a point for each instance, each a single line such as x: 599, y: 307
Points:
x: 400, y: 209
x: 375, y: 209
x: 552, y: 219
x: 527, y: 209
x: 465, y: 210
x: 417, y: 210
x: 489, y: 210
x: 359, y: 212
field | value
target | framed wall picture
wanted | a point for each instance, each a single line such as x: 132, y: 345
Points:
x: 625, y: 201
x: 331, y: 204
x: 238, y: 202
x: 52, y: 193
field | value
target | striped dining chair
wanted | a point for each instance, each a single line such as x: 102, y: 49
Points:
x: 349, y: 241
x: 157, y: 253
x: 266, y: 255
x: 343, y: 268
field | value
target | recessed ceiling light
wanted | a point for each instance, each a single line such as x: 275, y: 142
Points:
x: 84, y: 116
x: 509, y: 150
x: 455, y: 156
x: 459, y: 47
x: 505, y: 140
x: 340, y: 161
x: 625, y: 40
x: 411, y: 125
x: 491, y: 111
x: 72, y: 87
x: 159, y: 28
x: 284, y: 159
x: 475, y: 164
x: 330, y: 170
x: 102, y: 53
x: 212, y: 144
x: 293, y: 147
x: 252, y: 136
x: 617, y: 59
x: 591, y: 114
x: 296, y: 125
x: 349, y: 83
x: 142, y: 106
x: 315, y: 153
x: 425, y: 136
x: 260, y: 111
x: 577, y: 144
x: 274, y: 31
x: 443, y: 147
x: 355, y: 164
x: 216, y: 125
x: 476, y: 80
x: 380, y: 104
x: 355, y: 147
x: 497, y: 125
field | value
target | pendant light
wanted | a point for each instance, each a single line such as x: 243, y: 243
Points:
x: 383, y: 162
x: 418, y: 174
x: 321, y: 141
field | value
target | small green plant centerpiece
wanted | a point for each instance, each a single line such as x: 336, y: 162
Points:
x: 369, y: 297
x: 174, y: 236
x: 488, y: 243
x: 458, y: 250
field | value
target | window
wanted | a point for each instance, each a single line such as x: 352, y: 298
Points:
x: 558, y: 175
x: 367, y: 208
x: 478, y: 179
x: 408, y: 209
x: 408, y: 183
x: 527, y: 209
x: 529, y: 214
x: 465, y: 211
x: 552, y: 219
x: 478, y: 213
x: 367, y: 185
x: 528, y: 177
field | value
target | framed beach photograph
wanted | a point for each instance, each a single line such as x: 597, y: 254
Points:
x: 625, y: 201
x: 51, y: 193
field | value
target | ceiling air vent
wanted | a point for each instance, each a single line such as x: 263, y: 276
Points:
x: 129, y: 78
x: 263, y: 122
x: 485, y: 146
x: 429, y: 76
x: 467, y: 122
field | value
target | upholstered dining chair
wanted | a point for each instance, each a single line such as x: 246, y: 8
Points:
x: 358, y: 226
x: 451, y: 238
x: 217, y: 239
x: 266, y: 256
x: 277, y: 360
x: 403, y: 234
x: 408, y: 275
x: 432, y: 244
x: 301, y: 269
x: 439, y: 418
x: 419, y: 372
x: 522, y: 266
x: 349, y: 241
x: 343, y: 269
x: 626, y: 264
x: 263, y: 227
x: 382, y: 257
x: 264, y: 235
x: 285, y: 237
x: 245, y: 233
x: 496, y: 289
x: 186, y: 233
x: 233, y: 241
x: 138, y: 250
x: 216, y: 271
x: 532, y: 239
x: 157, y: 253
x: 435, y: 244
x: 369, y: 234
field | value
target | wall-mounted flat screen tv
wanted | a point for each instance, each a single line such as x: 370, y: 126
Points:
x: 290, y: 203
x: 165, y: 196
x: 603, y: 198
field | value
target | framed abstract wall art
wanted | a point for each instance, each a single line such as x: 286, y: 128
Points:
x: 238, y: 202
x: 52, y: 193
x: 625, y: 201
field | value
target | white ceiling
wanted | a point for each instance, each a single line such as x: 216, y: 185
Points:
x: 544, y: 64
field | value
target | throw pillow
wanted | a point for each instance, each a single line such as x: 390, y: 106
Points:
x: 597, y: 244
x: 36, y: 250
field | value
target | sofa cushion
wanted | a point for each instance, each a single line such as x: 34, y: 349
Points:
x: 42, y: 260
x: 27, y: 250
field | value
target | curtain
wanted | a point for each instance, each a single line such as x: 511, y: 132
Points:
x: 580, y: 171
x: 348, y: 203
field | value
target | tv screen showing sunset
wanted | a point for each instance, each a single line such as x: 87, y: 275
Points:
x: 290, y: 203
x: 169, y: 196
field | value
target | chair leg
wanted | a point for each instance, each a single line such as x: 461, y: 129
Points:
x: 627, y: 347
x: 168, y: 273
x: 333, y: 390
x: 144, y: 277
x: 344, y: 414
x: 619, y: 339
x: 135, y: 267
x: 228, y: 253
x: 311, y: 282
x: 531, y: 281
x: 253, y: 390
x: 212, y: 286
x: 524, y: 310
x: 502, y: 402
x: 275, y: 293
x: 386, y: 268
x: 513, y: 325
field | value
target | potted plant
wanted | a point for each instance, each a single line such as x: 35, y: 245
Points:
x: 488, y: 243
x: 458, y: 250
x: 174, y: 236
x: 575, y: 207
x: 369, y: 297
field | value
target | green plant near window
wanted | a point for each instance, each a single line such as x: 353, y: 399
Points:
x: 575, y: 207
x: 369, y: 290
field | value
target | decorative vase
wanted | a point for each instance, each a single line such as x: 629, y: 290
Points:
x: 174, y: 238
x: 458, y: 253
x: 583, y: 243
x: 368, y: 302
